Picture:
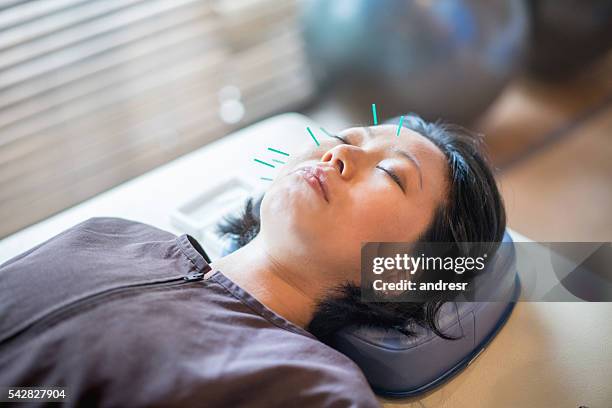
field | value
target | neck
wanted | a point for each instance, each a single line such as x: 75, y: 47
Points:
x: 277, y: 282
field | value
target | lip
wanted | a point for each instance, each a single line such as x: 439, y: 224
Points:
x: 315, y: 176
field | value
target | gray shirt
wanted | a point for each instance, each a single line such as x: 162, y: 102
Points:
x: 117, y: 312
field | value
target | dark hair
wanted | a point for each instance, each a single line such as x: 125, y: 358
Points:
x: 473, y: 211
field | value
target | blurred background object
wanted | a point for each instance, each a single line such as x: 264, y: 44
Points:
x: 93, y: 93
x: 445, y: 58
x: 568, y: 36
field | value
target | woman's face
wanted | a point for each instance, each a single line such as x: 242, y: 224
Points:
x: 376, y: 186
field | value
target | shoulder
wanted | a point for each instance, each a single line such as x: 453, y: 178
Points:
x: 119, y: 226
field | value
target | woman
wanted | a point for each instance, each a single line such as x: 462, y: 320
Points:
x: 444, y: 192
x: 123, y: 314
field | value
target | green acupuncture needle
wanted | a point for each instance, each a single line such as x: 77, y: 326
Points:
x: 278, y: 161
x: 313, y: 136
x: 278, y: 151
x: 374, y: 114
x: 266, y: 178
x: 326, y: 132
x: 399, y: 126
x: 264, y: 163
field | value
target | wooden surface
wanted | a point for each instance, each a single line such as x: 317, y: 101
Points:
x: 548, y: 355
x: 553, y: 144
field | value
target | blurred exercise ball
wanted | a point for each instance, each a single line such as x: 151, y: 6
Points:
x: 568, y: 35
x: 444, y: 59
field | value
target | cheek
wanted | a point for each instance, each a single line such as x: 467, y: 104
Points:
x: 382, y: 214
x: 362, y: 218
x: 304, y: 153
x: 367, y: 215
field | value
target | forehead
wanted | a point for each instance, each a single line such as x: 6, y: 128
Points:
x: 386, y: 135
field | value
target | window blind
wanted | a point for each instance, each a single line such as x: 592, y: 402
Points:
x: 93, y: 93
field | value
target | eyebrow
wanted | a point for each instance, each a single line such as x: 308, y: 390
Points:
x: 414, y: 161
x: 401, y: 153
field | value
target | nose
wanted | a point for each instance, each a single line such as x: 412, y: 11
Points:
x: 342, y: 158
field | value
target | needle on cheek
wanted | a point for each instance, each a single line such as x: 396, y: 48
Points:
x: 313, y: 136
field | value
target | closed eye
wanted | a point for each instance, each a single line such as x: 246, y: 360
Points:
x: 393, y: 176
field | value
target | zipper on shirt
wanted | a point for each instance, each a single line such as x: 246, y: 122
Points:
x: 194, y: 276
x: 39, y: 322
